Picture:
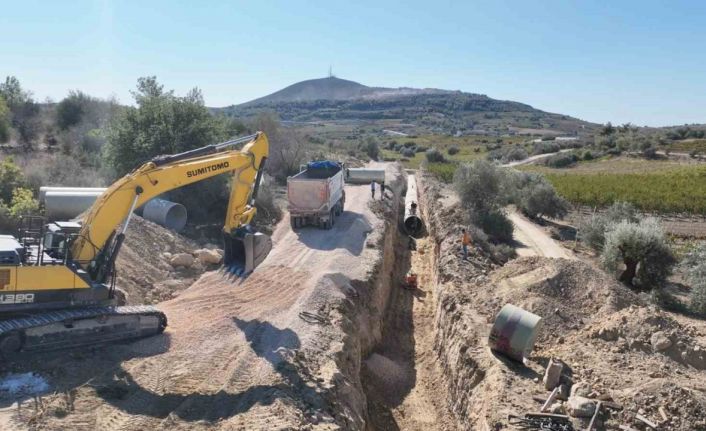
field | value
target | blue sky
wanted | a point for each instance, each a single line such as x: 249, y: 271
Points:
x: 637, y: 61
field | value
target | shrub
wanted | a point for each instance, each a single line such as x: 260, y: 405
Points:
x: 494, y: 223
x: 542, y: 200
x: 515, y: 153
x: 588, y: 155
x: 433, y: 155
x: 408, y: 152
x: 421, y: 149
x: 372, y: 149
x: 561, y: 160
x: 650, y: 152
x: 453, y: 150
x: 643, y: 250
x: 695, y: 266
x: 545, y: 148
x: 592, y: 231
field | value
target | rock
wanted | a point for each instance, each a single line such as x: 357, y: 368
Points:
x: 167, y: 255
x: 660, y: 341
x: 208, y: 257
x: 552, y: 375
x: 557, y: 408
x: 580, y: 407
x: 182, y: 259
x: 580, y: 389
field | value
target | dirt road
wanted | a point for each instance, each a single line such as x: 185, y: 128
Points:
x: 533, y: 241
x: 231, y: 356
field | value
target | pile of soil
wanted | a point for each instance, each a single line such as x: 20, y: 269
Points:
x: 143, y: 268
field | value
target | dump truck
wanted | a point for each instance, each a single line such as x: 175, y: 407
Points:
x: 315, y: 195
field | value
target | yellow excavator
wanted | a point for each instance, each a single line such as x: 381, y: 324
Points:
x: 57, y: 280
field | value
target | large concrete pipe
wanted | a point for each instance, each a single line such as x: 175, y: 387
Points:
x: 364, y: 176
x: 168, y: 214
x: 412, y: 216
x: 43, y: 190
x: 66, y: 205
x: 514, y: 332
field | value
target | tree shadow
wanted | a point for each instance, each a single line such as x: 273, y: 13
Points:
x: 349, y: 232
x: 266, y: 341
x: 74, y: 367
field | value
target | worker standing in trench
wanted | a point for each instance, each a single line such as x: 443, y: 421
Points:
x: 372, y: 188
x: 465, y: 242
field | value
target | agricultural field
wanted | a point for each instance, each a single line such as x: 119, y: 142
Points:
x: 660, y: 185
x: 688, y: 145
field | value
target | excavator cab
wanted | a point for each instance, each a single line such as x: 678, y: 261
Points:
x: 245, y: 249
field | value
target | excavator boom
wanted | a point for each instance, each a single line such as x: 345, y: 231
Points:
x: 61, y: 290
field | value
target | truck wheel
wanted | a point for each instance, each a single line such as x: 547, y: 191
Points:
x: 332, y: 217
x: 293, y: 222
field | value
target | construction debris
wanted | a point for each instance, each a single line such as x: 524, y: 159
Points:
x: 645, y: 421
x: 541, y: 421
x: 552, y: 375
x: 550, y: 400
x: 580, y: 407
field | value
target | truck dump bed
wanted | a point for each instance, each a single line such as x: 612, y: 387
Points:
x: 315, y: 190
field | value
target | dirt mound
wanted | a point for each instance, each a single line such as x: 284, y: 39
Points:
x: 143, y: 268
x: 566, y: 293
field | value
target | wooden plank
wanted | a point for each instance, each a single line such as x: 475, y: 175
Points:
x: 646, y: 421
x: 550, y: 400
x: 591, y: 424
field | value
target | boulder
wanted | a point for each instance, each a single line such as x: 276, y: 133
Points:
x: 580, y: 407
x: 182, y: 259
x: 580, y: 389
x: 660, y: 342
x: 208, y: 257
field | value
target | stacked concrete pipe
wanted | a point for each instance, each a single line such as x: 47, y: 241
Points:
x: 364, y: 176
x: 63, y: 203
x: 412, y: 216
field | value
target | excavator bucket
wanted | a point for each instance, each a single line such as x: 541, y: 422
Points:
x: 244, y: 250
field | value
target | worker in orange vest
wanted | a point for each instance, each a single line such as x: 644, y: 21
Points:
x: 465, y: 242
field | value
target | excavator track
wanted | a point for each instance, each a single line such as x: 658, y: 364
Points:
x: 70, y: 328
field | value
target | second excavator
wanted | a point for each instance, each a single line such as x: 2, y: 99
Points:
x: 57, y: 280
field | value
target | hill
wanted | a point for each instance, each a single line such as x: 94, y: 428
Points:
x: 439, y: 111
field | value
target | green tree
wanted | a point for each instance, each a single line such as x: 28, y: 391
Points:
x: 11, y: 178
x: 70, y: 111
x: 23, y: 203
x: 287, y: 149
x: 642, y: 249
x: 5, y: 121
x: 12, y: 92
x: 163, y: 123
x: 25, y: 118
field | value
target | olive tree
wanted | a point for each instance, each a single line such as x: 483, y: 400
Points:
x: 592, y: 231
x: 643, y: 250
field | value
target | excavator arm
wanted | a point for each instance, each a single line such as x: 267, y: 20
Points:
x: 100, y: 238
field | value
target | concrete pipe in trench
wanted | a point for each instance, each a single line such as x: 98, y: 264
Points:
x: 413, y: 223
